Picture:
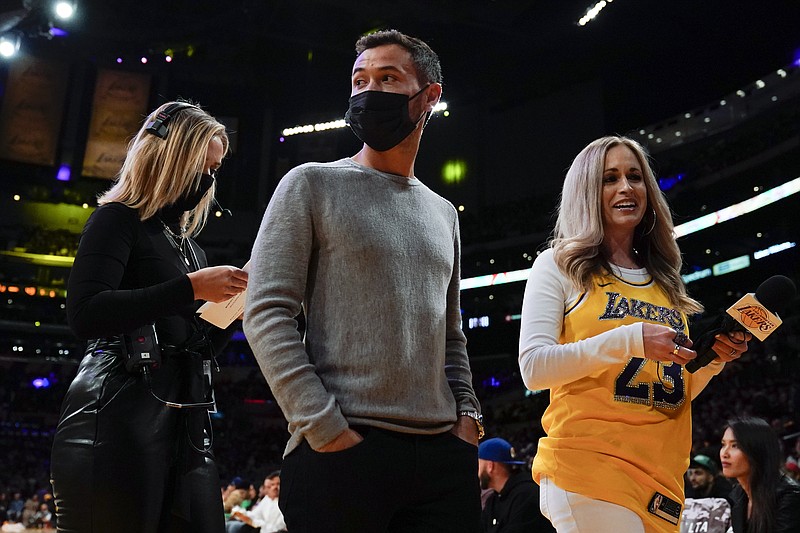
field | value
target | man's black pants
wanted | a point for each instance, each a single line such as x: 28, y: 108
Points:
x: 391, y: 482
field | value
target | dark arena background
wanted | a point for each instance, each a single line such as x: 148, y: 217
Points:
x: 712, y: 89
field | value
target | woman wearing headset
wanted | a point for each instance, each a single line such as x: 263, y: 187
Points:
x: 132, y: 452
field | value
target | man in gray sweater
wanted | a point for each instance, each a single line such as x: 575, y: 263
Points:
x: 383, y: 418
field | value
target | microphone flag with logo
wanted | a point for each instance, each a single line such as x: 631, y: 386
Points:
x: 755, y: 313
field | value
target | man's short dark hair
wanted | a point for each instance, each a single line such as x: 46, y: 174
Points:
x: 273, y: 475
x: 425, y: 60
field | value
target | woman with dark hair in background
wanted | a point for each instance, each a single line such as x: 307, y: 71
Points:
x: 766, y: 499
x: 132, y: 452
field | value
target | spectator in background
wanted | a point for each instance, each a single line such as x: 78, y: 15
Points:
x: 704, y: 479
x: 705, y: 507
x: 766, y: 500
x: 42, y: 518
x: 29, y: 509
x: 235, y: 495
x: 513, y: 507
x: 251, y: 498
x: 15, y: 507
x: 266, y: 516
x: 604, y: 328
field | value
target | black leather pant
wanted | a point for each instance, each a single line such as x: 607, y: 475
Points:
x: 123, y: 462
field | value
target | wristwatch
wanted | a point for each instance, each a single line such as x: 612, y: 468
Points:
x: 478, y: 418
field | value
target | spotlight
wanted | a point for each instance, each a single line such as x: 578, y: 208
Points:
x: 57, y: 32
x: 64, y: 9
x: 40, y: 383
x: 64, y: 173
x: 9, y: 44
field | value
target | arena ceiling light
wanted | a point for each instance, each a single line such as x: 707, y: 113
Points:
x: 64, y: 9
x: 9, y: 44
x: 742, y: 208
x: 593, y: 11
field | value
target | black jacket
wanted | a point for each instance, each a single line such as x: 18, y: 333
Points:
x: 787, y: 515
x: 515, y: 509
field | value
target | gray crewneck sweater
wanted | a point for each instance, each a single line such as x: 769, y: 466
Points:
x: 374, y: 261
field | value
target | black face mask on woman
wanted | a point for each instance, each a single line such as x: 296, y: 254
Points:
x: 189, y: 201
x: 380, y: 119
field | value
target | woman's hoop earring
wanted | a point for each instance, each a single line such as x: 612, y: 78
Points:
x: 653, y: 226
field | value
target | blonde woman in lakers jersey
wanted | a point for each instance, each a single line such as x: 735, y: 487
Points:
x: 604, y: 328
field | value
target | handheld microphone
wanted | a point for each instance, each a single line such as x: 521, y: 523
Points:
x: 754, y: 313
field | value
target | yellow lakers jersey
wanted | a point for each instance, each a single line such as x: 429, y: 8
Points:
x: 623, y: 433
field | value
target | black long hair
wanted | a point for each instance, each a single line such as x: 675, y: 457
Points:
x: 760, y: 444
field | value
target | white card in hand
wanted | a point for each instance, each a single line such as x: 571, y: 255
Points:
x: 223, y: 313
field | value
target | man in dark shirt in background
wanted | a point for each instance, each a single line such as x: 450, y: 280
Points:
x: 514, y: 507
x: 704, y: 481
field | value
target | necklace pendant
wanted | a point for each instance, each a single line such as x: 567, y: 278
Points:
x: 183, y: 247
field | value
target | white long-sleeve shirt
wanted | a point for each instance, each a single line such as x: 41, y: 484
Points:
x: 267, y: 515
x: 544, y: 363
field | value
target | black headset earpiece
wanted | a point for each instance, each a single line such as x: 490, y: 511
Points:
x: 159, y: 125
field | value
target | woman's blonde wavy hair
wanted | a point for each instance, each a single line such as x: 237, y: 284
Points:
x: 158, y: 172
x: 578, y: 232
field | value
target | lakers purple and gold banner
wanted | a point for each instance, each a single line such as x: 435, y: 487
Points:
x: 32, y: 110
x: 119, y: 106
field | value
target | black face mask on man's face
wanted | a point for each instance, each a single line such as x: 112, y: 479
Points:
x: 380, y: 119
